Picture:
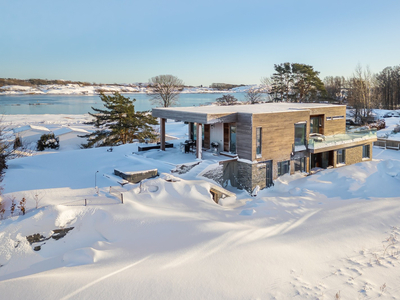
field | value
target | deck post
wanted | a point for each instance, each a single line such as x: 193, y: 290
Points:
x: 162, y: 134
x: 199, y: 140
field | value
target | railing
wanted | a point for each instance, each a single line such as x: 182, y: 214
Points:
x: 387, y: 144
x: 343, y: 138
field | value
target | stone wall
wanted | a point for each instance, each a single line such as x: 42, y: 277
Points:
x: 259, y: 175
x: 249, y: 175
x: 136, y: 177
x: 244, y: 175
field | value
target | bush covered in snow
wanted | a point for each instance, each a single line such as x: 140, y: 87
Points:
x: 48, y: 141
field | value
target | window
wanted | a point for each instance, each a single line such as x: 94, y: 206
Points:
x: 366, y: 151
x: 300, y: 165
x: 232, y: 140
x: 338, y: 118
x: 283, y: 167
x: 300, y: 134
x: 341, y: 156
x: 258, y: 141
x: 328, y: 118
x: 316, y: 125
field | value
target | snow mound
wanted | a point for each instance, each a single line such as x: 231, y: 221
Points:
x: 247, y: 212
x: 79, y: 257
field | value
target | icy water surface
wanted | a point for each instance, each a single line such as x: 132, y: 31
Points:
x: 81, y: 104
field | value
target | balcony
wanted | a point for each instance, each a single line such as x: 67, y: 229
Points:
x: 317, y: 143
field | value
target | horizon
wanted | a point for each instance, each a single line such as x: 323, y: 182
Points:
x: 201, y: 43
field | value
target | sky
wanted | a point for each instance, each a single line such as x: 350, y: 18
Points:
x: 200, y: 42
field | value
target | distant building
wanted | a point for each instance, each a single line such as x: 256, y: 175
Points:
x: 270, y: 140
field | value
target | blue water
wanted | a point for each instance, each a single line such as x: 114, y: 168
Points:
x: 81, y: 104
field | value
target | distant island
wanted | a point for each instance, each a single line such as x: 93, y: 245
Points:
x: 12, y: 86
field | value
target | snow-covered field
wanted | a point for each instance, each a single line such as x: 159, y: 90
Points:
x: 332, y: 234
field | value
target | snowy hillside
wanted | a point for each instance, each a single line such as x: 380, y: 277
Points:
x: 76, y: 89
x: 308, y: 237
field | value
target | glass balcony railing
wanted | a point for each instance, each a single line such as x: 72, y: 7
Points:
x: 321, y: 141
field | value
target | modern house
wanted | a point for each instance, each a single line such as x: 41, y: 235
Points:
x: 266, y: 141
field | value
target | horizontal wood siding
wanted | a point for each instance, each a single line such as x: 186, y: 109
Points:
x: 206, y: 136
x: 332, y: 127
x: 226, y: 137
x: 277, y: 134
x: 244, y: 143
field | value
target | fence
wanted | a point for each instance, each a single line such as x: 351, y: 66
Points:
x: 387, y: 144
x: 113, y: 196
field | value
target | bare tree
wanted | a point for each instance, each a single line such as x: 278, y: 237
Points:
x: 335, y: 88
x: 2, y: 209
x: 360, y: 93
x: 165, y: 90
x: 227, y: 100
x: 37, y: 196
x: 388, y: 87
x: 254, y: 95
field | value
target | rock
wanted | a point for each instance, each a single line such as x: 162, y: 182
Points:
x: 37, y: 248
x: 35, y: 238
x: 60, y: 233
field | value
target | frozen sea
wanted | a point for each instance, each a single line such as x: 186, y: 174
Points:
x: 81, y: 104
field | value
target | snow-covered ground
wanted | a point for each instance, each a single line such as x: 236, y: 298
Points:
x: 308, y: 237
x: 77, y: 89
x: 391, y: 123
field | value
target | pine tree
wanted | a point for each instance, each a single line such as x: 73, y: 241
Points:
x: 118, y: 123
x: 294, y: 82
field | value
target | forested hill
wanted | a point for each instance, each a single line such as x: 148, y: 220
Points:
x: 36, y: 82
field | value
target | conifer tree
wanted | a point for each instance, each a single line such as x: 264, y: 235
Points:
x: 118, y: 123
x: 293, y: 82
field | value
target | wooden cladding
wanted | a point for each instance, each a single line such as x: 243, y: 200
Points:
x: 206, y: 143
x: 226, y: 137
x: 277, y: 134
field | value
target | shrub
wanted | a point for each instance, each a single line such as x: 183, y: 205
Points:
x: 17, y: 142
x: 22, y: 205
x: 48, y: 141
x: 227, y: 100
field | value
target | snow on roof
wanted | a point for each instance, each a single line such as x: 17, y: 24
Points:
x: 30, y: 127
x: 65, y: 130
x: 255, y: 108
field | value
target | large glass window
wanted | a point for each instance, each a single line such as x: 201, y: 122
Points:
x: 366, y: 151
x: 258, y: 141
x: 300, y: 134
x: 283, y: 167
x: 194, y: 131
x: 232, y: 140
x: 341, y: 156
x: 315, y: 125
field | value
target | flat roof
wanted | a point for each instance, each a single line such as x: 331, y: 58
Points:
x: 214, y: 113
